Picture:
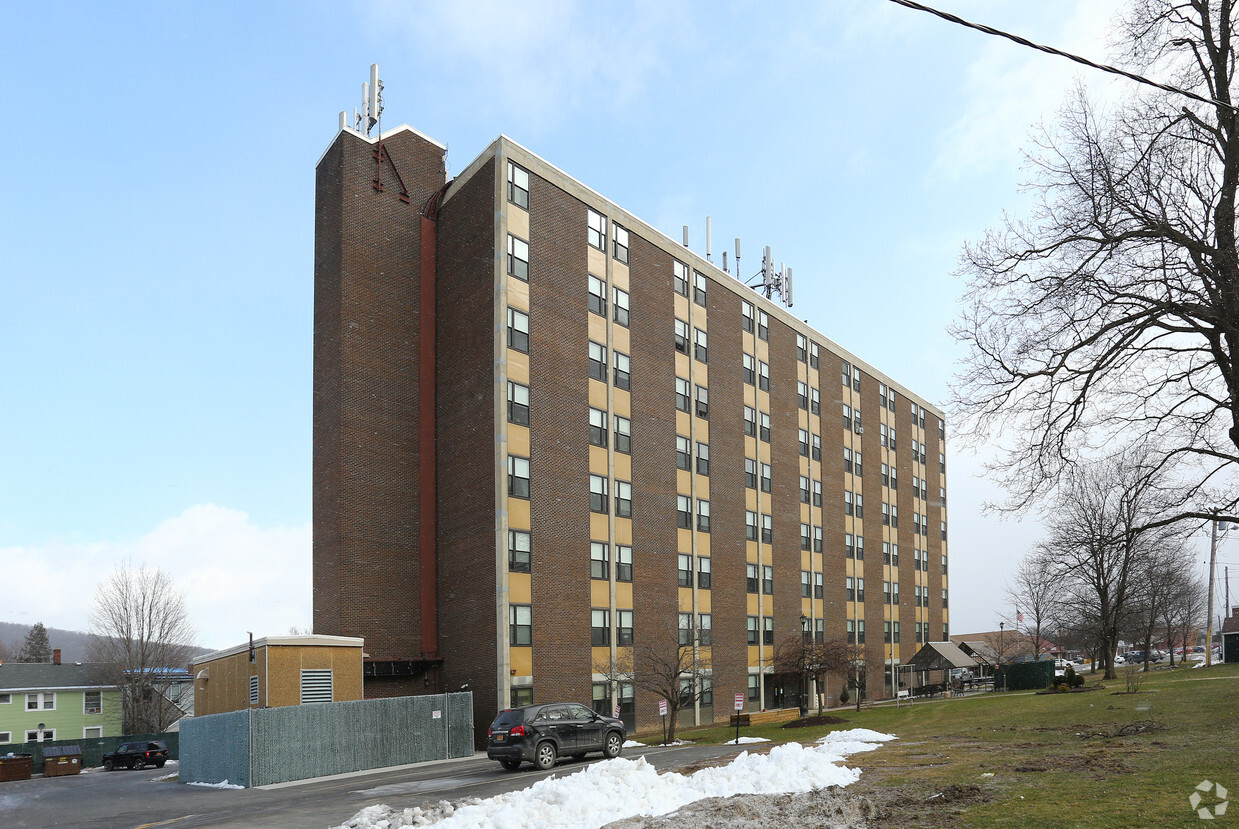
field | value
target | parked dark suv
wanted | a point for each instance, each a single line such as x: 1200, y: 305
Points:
x: 540, y: 734
x: 137, y: 755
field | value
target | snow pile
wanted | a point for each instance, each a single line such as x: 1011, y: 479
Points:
x: 223, y: 785
x: 743, y: 740
x: 619, y: 788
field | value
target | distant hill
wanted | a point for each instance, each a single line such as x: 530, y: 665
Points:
x: 74, y: 645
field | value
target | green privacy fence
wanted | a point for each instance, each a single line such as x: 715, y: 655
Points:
x: 1024, y: 676
x: 93, y: 748
x: 262, y: 746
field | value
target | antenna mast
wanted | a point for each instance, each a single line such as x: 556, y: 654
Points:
x: 769, y: 280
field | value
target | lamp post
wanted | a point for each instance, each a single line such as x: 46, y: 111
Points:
x: 804, y: 667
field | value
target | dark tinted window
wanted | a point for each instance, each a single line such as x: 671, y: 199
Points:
x: 509, y: 718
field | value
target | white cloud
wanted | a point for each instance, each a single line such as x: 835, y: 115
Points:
x: 236, y: 576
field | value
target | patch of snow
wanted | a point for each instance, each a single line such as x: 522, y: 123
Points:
x: 223, y: 785
x: 633, y: 744
x: 742, y: 740
x: 620, y: 788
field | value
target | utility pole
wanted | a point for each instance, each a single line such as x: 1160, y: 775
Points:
x: 1212, y: 567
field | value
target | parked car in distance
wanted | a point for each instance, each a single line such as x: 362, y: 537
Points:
x: 541, y: 734
x: 137, y: 755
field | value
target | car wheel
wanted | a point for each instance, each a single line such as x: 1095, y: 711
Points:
x: 159, y: 765
x: 613, y: 745
x: 510, y: 765
x: 138, y: 765
x: 107, y: 765
x: 544, y: 758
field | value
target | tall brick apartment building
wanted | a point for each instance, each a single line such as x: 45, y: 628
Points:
x: 544, y: 431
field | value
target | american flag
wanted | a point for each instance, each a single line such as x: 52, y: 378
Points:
x: 1019, y: 617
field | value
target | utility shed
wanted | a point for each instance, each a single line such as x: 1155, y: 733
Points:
x: 276, y: 671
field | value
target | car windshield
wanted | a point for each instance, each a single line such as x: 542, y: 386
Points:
x: 507, y: 719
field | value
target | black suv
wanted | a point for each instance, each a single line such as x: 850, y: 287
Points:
x: 541, y: 733
x: 138, y: 755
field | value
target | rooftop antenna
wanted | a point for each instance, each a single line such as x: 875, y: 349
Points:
x: 737, y: 257
x: 685, y: 235
x: 769, y: 280
x: 724, y: 261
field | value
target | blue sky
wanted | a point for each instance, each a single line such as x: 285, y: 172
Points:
x: 156, y: 206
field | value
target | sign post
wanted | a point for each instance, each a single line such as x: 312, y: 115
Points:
x: 739, y: 708
x: 662, y: 712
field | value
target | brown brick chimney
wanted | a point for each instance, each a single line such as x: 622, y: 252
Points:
x: 55, y: 656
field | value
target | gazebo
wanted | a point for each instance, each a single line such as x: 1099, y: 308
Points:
x: 937, y: 656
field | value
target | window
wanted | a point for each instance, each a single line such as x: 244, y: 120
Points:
x: 6, y: 699
x: 806, y: 584
x: 703, y: 403
x: 598, y: 493
x: 518, y: 186
x: 860, y: 548
x: 681, y: 336
x: 767, y: 579
x: 699, y: 288
x: 944, y: 565
x: 683, y: 512
x: 850, y: 588
x: 623, y: 435
x: 679, y: 278
x: 890, y: 593
x: 619, y: 238
x: 623, y: 627
x: 817, y: 493
x: 941, y: 430
x: 754, y: 686
x: 92, y: 702
x: 602, y: 698
x: 817, y: 585
x: 944, y: 531
x: 41, y: 702
x: 750, y: 580
x: 703, y: 515
x: 886, y: 474
x: 701, y: 348
x: 316, y: 685
x: 754, y: 633
x: 944, y: 597
x: 860, y: 632
x: 518, y: 258
x: 518, y: 330
x: 849, y: 505
x: 767, y: 630
x: 598, y: 361
x: 597, y: 427
x: 41, y: 736
x: 703, y: 572
x: 859, y: 463
x: 767, y: 529
x: 819, y: 630
x: 684, y: 570
x: 886, y: 514
x: 750, y: 473
x: 805, y: 538
x: 599, y: 628
x: 597, y: 296
x: 847, y: 417
x: 683, y: 452
x: 750, y: 528
x: 847, y: 373
x: 599, y: 560
x: 746, y: 316
x: 703, y: 458
x: 750, y: 421
x: 765, y: 477
x: 518, y: 477
x: 847, y: 460
x: 855, y: 378
x: 763, y: 376
x: 764, y: 431
x: 860, y: 590
x: 941, y: 462
x: 815, y: 401
x: 851, y: 631
x: 623, y: 562
x: 890, y: 554
x: 705, y: 631
x: 682, y: 394
x: 802, y: 395
x: 520, y: 557
x: 623, y: 499
x: 802, y: 348
x: 621, y: 306
x: 518, y: 403
x: 597, y: 230
x: 623, y: 368
x: 816, y: 454
x: 254, y: 690
x: 804, y: 489
x: 813, y: 356
x: 93, y: 732
x: 802, y: 440
x: 916, y: 487
x: 849, y: 545
x: 521, y: 697
x: 895, y: 633
x: 763, y: 326
x: 817, y: 539
x: 942, y: 496
x: 685, y: 628
x: 749, y: 363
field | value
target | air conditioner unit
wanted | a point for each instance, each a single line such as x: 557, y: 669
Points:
x: 860, y: 430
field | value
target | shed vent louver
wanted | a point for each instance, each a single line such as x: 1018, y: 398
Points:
x: 315, y: 686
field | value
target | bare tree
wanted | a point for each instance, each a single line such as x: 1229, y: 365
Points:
x: 801, y: 654
x: 673, y: 665
x: 1035, y: 591
x: 36, y: 648
x: 140, y: 627
x: 1100, y: 538
x: 1112, y: 310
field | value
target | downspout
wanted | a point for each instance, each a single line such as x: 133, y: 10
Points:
x: 427, y: 463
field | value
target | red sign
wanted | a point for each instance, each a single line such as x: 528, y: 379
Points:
x: 739, y: 702
x: 662, y: 708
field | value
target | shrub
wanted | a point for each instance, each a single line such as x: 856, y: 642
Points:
x: 844, y: 696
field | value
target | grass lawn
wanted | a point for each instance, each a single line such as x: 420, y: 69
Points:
x: 1024, y: 760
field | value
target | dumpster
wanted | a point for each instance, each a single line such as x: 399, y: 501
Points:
x: 61, y: 760
x: 15, y: 766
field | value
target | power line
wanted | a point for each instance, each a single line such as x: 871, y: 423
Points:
x: 1114, y: 70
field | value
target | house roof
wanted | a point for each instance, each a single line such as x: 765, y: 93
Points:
x: 1231, y: 624
x: 981, y: 651
x: 303, y: 640
x: 939, y: 656
x: 39, y: 676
